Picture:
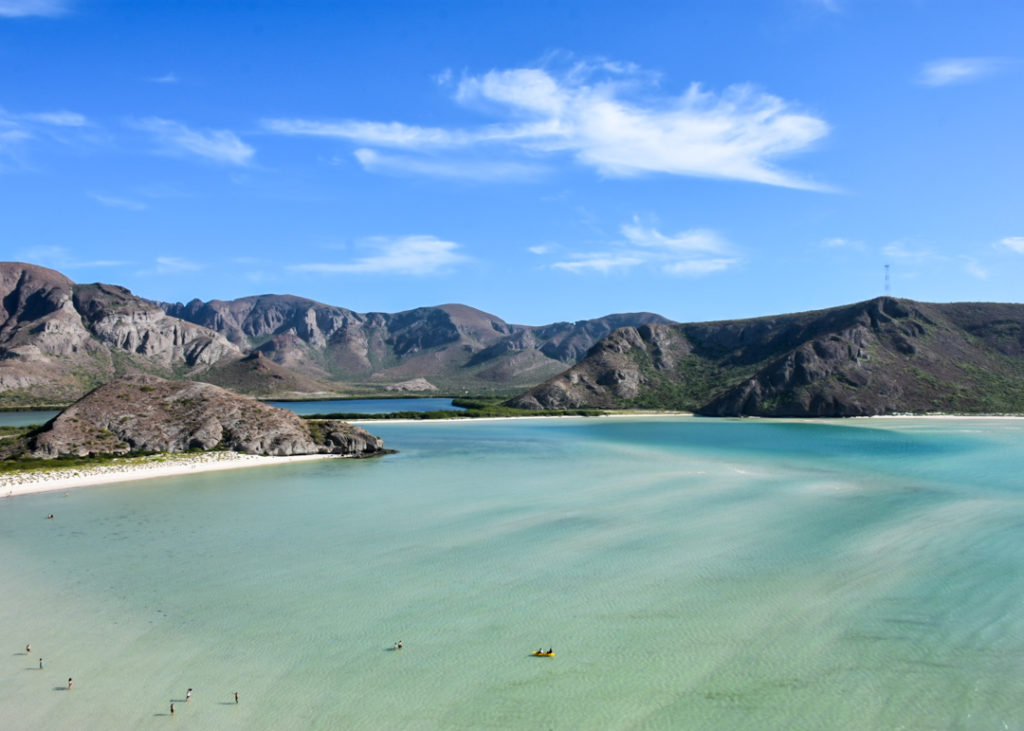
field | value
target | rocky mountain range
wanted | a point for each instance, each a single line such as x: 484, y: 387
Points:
x: 59, y: 339
x: 882, y: 356
x: 149, y: 414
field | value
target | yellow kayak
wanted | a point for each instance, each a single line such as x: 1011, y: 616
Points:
x: 543, y: 654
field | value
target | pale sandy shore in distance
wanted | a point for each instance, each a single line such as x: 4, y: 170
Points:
x: 169, y: 465
x: 138, y: 468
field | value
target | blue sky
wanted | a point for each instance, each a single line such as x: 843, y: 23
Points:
x: 541, y: 161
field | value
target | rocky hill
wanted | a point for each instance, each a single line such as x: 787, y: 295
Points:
x: 59, y: 339
x: 882, y: 356
x: 453, y: 347
x: 149, y: 414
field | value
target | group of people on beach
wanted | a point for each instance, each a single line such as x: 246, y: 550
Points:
x: 188, y: 693
x: 28, y: 651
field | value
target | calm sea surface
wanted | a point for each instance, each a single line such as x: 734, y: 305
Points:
x: 688, y: 573
x: 347, y: 406
x: 367, y: 406
x: 25, y: 418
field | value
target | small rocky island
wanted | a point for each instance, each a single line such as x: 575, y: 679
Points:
x: 142, y: 413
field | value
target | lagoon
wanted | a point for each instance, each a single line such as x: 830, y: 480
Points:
x: 367, y: 406
x: 689, y: 573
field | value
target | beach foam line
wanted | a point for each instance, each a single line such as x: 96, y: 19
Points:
x: 136, y: 468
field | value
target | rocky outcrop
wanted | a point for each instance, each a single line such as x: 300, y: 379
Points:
x: 878, y: 357
x: 149, y: 414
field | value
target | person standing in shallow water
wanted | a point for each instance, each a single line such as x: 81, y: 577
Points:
x: 69, y: 683
x: 236, y: 696
x: 188, y: 695
x: 28, y: 649
x: 172, y: 709
x: 40, y: 663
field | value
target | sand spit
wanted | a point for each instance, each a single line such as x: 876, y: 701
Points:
x: 138, y: 468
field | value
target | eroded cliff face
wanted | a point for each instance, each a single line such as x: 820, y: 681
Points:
x: 148, y: 414
x: 44, y: 347
x: 130, y: 324
x: 878, y: 357
x: 59, y: 339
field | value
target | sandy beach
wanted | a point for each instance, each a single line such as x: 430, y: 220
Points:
x: 138, y: 468
x: 169, y: 465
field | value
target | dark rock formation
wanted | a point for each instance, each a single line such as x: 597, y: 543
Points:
x: 150, y: 414
x: 878, y: 357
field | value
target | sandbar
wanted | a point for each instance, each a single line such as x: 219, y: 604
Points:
x: 138, y: 468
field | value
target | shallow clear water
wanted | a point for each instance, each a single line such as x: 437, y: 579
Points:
x: 689, y: 573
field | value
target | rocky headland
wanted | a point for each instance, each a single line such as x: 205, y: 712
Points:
x: 140, y: 414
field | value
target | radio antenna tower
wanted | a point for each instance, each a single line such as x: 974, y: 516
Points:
x: 886, y: 280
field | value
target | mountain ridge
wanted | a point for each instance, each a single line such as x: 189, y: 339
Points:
x: 880, y: 356
x: 59, y: 339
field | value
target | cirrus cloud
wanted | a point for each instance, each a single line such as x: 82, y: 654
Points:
x: 411, y: 255
x: 694, y: 253
x: 608, y: 117
x: 28, y: 8
x: 946, y: 71
x: 218, y: 145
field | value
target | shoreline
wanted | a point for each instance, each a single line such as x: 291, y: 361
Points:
x: 172, y: 465
x: 166, y: 465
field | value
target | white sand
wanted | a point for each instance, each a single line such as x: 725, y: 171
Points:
x: 138, y: 468
x: 168, y: 465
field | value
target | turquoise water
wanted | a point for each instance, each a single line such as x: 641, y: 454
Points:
x: 26, y: 418
x: 367, y: 406
x: 689, y: 573
x: 348, y: 406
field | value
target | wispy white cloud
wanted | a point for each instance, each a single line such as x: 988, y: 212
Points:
x: 539, y: 250
x: 946, y: 71
x: 482, y: 170
x: 609, y: 117
x: 974, y: 268
x: 899, y: 250
x: 20, y: 130
x: 58, y: 119
x: 169, y: 78
x: 61, y: 258
x: 696, y: 252
x: 218, y: 145
x: 1013, y: 243
x: 602, y: 262
x: 838, y: 242
x: 117, y: 202
x: 412, y: 255
x: 175, y: 265
x: 28, y: 8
